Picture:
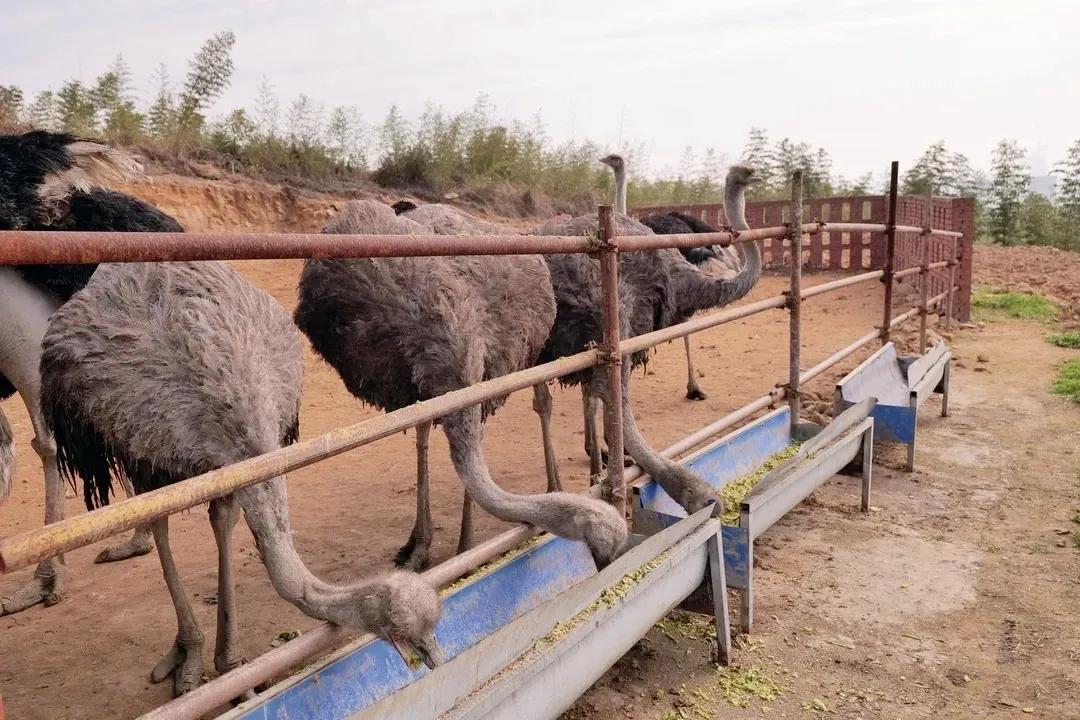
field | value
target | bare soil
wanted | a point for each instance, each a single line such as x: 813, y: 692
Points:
x: 956, y: 573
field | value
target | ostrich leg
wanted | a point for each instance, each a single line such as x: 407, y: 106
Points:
x: 414, y: 554
x: 542, y: 407
x: 465, y: 539
x: 46, y: 584
x: 184, y: 661
x: 693, y: 390
x: 137, y: 544
x: 589, y: 405
x: 223, y: 517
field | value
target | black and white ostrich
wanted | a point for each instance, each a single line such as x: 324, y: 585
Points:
x: 50, y: 181
x: 719, y: 261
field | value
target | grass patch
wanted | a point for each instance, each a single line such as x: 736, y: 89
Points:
x: 1023, y: 306
x: 1068, y: 381
x: 1069, y: 339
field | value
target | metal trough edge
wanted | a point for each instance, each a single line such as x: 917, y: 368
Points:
x: 545, y: 682
x: 480, y: 672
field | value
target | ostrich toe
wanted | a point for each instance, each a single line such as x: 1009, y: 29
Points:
x: 45, y: 587
x: 138, y: 544
x: 184, y: 662
x: 695, y: 393
x: 413, y: 555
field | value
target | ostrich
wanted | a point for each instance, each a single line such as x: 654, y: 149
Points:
x: 49, y: 181
x: 658, y: 288
x: 716, y: 261
x: 403, y: 330
x: 678, y: 223
x: 160, y: 372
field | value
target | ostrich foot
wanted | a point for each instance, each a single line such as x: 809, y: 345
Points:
x: 695, y: 393
x: 413, y: 555
x: 45, y: 587
x: 627, y: 461
x: 138, y: 544
x: 223, y: 663
x: 184, y: 662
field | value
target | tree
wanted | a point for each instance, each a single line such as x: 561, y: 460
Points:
x: 114, y: 108
x: 44, y: 112
x: 1038, y: 221
x: 75, y: 107
x: 1068, y: 197
x: 11, y: 105
x: 759, y: 155
x: 267, y: 110
x: 209, y: 74
x: 347, y: 137
x: 161, y: 117
x: 1007, y: 190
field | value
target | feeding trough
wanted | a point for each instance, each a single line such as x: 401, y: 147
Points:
x: 523, y: 639
x: 901, y: 386
x: 845, y: 445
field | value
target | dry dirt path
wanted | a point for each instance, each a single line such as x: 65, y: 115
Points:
x: 957, y: 597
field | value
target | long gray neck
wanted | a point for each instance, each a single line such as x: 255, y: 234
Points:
x: 266, y: 509
x: 465, y: 434
x: 620, y: 189
x: 697, y: 291
x: 685, y: 487
x: 735, y: 206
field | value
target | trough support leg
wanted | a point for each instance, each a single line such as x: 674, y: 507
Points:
x: 746, y: 594
x: 867, y: 467
x: 945, y: 390
x: 914, y: 434
x: 720, y: 597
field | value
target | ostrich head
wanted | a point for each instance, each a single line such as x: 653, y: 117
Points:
x: 742, y: 176
x: 614, y: 161
x: 403, y: 610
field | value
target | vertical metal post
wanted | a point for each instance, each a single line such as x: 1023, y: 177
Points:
x: 952, y: 282
x: 615, y: 488
x: 924, y: 273
x: 890, y: 251
x: 794, y: 295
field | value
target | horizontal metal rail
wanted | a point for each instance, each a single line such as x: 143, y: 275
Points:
x: 842, y: 283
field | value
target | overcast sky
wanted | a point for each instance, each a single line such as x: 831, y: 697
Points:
x: 870, y: 80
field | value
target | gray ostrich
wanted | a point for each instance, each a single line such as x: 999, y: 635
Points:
x: 718, y: 262
x: 443, y: 219
x: 657, y: 289
x: 50, y: 181
x: 404, y: 330
x: 160, y: 372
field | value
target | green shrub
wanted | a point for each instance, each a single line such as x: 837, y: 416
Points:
x: 1068, y: 381
x: 1069, y: 339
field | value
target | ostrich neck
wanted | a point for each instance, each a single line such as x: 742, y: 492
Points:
x: 696, y: 290
x: 735, y: 206
x: 465, y: 434
x: 620, y: 190
x: 266, y: 510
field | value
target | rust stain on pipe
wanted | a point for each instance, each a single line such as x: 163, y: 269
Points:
x: 50, y: 247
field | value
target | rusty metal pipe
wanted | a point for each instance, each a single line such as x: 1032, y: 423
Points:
x: 27, y: 548
x: 840, y: 355
x: 635, y: 243
x: 890, y: 250
x: 48, y: 247
x: 924, y: 274
x: 610, y: 351
x: 794, y: 297
x: 843, y: 283
x: 952, y: 281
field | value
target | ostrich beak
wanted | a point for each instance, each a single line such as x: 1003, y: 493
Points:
x: 414, y: 656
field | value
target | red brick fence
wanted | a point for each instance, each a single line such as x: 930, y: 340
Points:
x: 859, y: 251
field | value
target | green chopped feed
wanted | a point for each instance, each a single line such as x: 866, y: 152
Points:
x: 736, y: 491
x: 1068, y: 380
x: 491, y: 565
x: 739, y: 685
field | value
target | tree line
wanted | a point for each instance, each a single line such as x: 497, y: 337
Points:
x: 474, y: 150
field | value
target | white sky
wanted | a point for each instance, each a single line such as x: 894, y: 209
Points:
x: 870, y: 80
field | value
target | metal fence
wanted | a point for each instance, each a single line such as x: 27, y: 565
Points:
x: 839, y: 250
x: 25, y: 549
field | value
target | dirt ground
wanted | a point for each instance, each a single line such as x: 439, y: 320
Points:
x: 949, y: 599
